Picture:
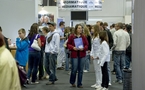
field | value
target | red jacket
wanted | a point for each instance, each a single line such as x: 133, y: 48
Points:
x: 71, y: 45
x: 43, y: 40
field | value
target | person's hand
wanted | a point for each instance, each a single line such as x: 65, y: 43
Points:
x: 89, y: 51
x: 75, y: 48
x: 92, y: 58
x: 81, y: 49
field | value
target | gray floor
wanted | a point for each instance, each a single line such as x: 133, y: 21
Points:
x: 63, y: 82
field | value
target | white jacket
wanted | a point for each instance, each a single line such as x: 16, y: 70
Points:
x: 121, y: 40
x: 95, y: 47
x: 104, y: 53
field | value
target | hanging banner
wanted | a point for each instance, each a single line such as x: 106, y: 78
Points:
x: 79, y: 4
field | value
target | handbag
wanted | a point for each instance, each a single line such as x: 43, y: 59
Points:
x: 35, y: 44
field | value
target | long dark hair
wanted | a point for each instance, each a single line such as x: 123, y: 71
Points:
x: 103, y: 36
x: 2, y: 42
x: 33, y: 30
x: 76, y: 27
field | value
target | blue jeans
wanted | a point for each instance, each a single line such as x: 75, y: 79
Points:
x: 77, y: 65
x: 128, y: 59
x: 119, y: 61
x: 50, y: 66
x: 33, y: 63
x: 87, y: 63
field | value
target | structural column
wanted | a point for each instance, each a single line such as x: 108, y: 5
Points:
x: 138, y: 46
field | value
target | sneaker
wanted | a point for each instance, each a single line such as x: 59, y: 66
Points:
x: 116, y: 81
x: 105, y: 89
x: 100, y: 88
x: 109, y: 84
x: 34, y: 82
x: 120, y: 82
x: 80, y: 86
x: 93, y: 86
x: 85, y: 70
x: 50, y: 83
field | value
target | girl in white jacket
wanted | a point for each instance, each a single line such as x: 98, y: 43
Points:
x: 104, y: 58
x: 94, y: 54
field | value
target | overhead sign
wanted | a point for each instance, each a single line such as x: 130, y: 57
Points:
x: 79, y: 4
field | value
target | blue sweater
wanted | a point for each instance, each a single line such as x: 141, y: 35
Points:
x: 22, y: 51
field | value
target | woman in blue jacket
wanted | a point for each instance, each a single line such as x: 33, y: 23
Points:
x: 22, y: 51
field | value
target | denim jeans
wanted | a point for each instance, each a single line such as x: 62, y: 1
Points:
x: 50, y: 66
x: 77, y: 65
x: 128, y: 59
x: 109, y: 71
x: 67, y: 59
x: 119, y: 60
x: 87, y: 63
x: 33, y: 63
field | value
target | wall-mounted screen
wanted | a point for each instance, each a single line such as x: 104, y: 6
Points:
x: 79, y: 15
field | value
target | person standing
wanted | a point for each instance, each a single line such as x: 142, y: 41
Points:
x: 34, y: 55
x: 88, y: 36
x: 7, y: 40
x: 22, y: 51
x: 51, y: 52
x: 9, y: 77
x: 121, y: 42
x: 61, y: 54
x: 94, y: 54
x: 129, y: 49
x: 78, y: 54
x: 104, y: 59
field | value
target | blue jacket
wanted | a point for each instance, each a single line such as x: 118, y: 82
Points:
x: 22, y: 51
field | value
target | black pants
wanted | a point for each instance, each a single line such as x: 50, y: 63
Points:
x: 105, y: 76
x: 41, y: 70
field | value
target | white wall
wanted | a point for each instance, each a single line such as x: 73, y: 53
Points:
x: 112, y: 11
x: 16, y: 14
x: 50, y: 9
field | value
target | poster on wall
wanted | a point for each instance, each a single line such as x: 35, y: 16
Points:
x: 79, y: 4
x: 43, y: 19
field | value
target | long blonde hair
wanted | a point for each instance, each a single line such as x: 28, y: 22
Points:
x: 86, y: 31
x: 96, y: 31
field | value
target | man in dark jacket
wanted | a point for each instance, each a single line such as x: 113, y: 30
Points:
x: 6, y: 40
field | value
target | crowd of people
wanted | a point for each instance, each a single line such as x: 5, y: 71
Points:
x: 67, y: 48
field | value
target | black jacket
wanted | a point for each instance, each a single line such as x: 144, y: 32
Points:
x: 89, y: 42
x: 110, y: 38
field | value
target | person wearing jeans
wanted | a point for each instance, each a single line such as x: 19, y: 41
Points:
x: 34, y: 55
x: 119, y: 57
x: 51, y: 52
x: 121, y: 42
x: 78, y: 53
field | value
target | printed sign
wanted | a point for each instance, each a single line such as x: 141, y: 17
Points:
x: 80, y: 4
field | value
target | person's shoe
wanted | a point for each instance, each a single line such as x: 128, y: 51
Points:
x: 34, y: 82
x: 93, y: 86
x: 105, y: 89
x: 116, y: 81
x: 109, y: 84
x: 60, y: 68
x: 50, y: 83
x: 73, y: 85
x: 98, y: 86
x: 56, y: 79
x: 120, y: 82
x: 85, y: 71
x: 80, y: 86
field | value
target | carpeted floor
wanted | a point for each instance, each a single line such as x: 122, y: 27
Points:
x: 63, y: 82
